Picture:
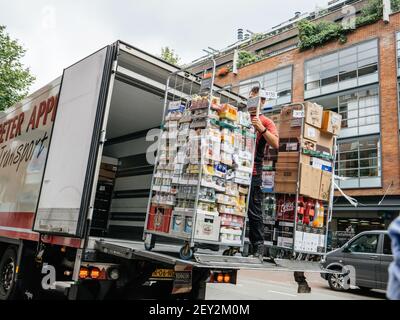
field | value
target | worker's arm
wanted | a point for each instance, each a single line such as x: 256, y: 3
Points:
x: 270, y: 136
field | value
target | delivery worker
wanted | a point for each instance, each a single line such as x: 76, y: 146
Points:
x: 267, y: 136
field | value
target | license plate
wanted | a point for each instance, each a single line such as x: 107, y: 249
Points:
x: 163, y: 273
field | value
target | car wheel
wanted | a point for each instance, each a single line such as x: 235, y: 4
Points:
x: 336, y: 282
x: 8, y: 266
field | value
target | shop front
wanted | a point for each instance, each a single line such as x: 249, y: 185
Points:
x: 370, y: 215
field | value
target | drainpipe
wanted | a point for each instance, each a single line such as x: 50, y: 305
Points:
x: 387, y: 10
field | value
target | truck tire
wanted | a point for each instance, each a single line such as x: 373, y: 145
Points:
x: 8, y: 265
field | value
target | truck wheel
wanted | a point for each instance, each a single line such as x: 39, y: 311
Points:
x: 8, y: 265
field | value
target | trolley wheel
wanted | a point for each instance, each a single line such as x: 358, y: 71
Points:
x: 186, y: 253
x: 230, y: 252
x: 149, y: 242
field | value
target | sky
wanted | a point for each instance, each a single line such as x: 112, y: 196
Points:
x: 59, y: 33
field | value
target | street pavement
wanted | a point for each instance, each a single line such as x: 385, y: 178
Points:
x: 260, y: 285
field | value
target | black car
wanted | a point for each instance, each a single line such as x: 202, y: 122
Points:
x: 363, y: 262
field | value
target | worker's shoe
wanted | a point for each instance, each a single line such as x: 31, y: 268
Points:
x: 304, y: 288
x: 258, y: 251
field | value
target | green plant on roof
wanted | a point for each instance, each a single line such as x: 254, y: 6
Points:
x: 246, y: 58
x: 314, y: 34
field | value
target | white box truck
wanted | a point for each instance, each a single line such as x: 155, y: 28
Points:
x: 52, y: 145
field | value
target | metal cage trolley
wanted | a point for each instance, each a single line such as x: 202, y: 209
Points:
x: 298, y: 182
x: 203, y: 169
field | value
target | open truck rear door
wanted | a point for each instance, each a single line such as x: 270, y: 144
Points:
x: 68, y: 178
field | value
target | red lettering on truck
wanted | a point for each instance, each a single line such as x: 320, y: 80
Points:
x: 19, y: 125
x: 50, y: 107
x: 8, y: 123
x: 13, y: 125
x: 32, y: 120
x: 1, y: 132
x: 42, y: 110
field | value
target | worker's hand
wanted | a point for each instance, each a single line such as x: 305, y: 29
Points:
x: 258, y: 124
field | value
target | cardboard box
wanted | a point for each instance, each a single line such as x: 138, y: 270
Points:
x: 207, y: 227
x: 310, y: 181
x: 290, y: 112
x: 290, y: 123
x: 288, y: 157
x: 323, y: 165
x: 325, y: 186
x: 287, y: 173
x: 108, y: 167
x: 107, y: 174
x: 325, y: 143
x: 292, y: 158
x: 314, y: 114
x: 311, y: 133
x: 308, y: 145
x: 285, y: 187
x: 289, y: 144
x: 286, y: 131
x: 332, y: 123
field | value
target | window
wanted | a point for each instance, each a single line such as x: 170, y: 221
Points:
x: 387, y: 245
x: 348, y: 68
x: 279, y: 81
x: 398, y: 53
x: 360, y: 110
x: 365, y: 244
x: 359, y: 161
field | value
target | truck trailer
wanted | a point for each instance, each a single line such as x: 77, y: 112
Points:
x: 75, y: 178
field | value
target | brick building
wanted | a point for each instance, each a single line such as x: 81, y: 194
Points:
x: 360, y: 80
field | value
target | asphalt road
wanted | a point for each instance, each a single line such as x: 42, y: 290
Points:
x: 256, y: 285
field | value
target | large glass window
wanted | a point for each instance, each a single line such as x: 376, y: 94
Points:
x: 387, y: 245
x: 359, y: 162
x: 279, y: 81
x: 348, y: 68
x: 359, y: 109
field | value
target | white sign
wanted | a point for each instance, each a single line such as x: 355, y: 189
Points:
x: 174, y: 105
x: 271, y: 95
x: 298, y: 114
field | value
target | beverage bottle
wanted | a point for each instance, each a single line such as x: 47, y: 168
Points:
x: 321, y: 215
x: 314, y: 221
x: 309, y: 212
x: 300, y: 210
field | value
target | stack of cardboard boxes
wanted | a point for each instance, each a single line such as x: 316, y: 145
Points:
x: 306, y: 150
x: 304, y: 164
